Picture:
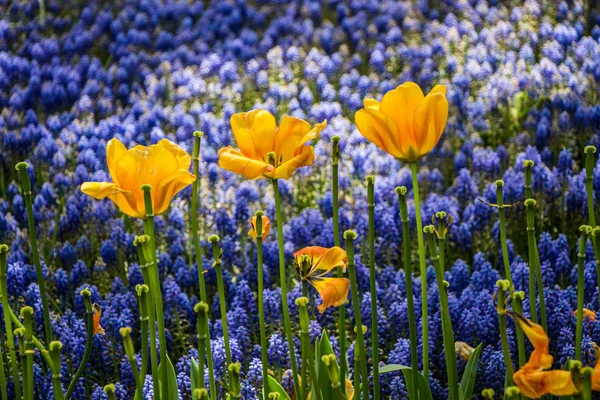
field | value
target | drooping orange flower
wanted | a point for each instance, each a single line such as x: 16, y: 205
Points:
x: 405, y: 124
x: 313, y: 263
x: 532, y: 379
x: 266, y: 227
x: 257, y: 134
x: 164, y: 166
x: 587, y: 313
x: 97, y: 315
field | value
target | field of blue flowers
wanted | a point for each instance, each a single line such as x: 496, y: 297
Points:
x: 522, y: 81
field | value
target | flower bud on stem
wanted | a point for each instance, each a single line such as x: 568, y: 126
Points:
x: 110, y: 391
x: 86, y: 294
x: 27, y: 314
x: 200, y: 394
x: 55, y: 347
x: 130, y: 352
x: 234, y: 380
x: 202, y: 326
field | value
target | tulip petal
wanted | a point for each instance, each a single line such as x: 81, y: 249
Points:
x: 114, y: 151
x: 184, y: 160
x: 234, y: 161
x: 241, y: 124
x: 372, y: 103
x: 540, y: 357
x: 254, y: 132
x: 430, y: 121
x: 535, y: 384
x: 100, y: 190
x: 438, y: 89
x: 400, y: 105
x: 266, y: 227
x: 292, y: 134
x: 314, y: 252
x: 332, y: 258
x: 169, y: 187
x: 304, y: 158
x: 333, y: 291
x: 379, y: 129
x: 97, y: 315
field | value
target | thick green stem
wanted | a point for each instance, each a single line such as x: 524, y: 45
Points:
x: 518, y: 298
x: 580, y: 289
x: 586, y: 392
x: 423, y: 271
x: 129, y: 351
x: 503, y: 286
x: 505, y: 260
x: 302, y: 304
x: 88, y: 344
x: 359, y: 345
x: 3, y: 387
x: 156, y: 293
x: 41, y: 280
x: 261, y: 305
x: 447, y: 332
x: 217, y: 252
x: 198, y: 251
x: 10, y: 340
x: 412, y: 323
x: 335, y: 160
x: 27, y: 314
x: 304, y: 367
x: 534, y: 265
x: 283, y: 284
x: 144, y: 304
x: 373, y: 285
x: 141, y: 243
x: 202, y: 328
x: 55, y: 348
x: 589, y: 188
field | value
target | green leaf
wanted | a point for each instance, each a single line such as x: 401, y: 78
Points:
x: 322, y: 348
x: 276, y: 388
x: 468, y: 379
x: 422, y: 386
x: 171, y: 378
x: 194, y: 371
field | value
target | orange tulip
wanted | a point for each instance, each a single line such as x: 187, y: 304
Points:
x: 257, y: 135
x: 531, y: 379
x: 405, y: 124
x: 97, y: 315
x: 587, y: 314
x: 266, y: 227
x: 164, y: 166
x: 313, y: 263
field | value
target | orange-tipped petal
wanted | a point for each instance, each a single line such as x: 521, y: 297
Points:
x: 314, y: 252
x: 333, y: 257
x: 168, y: 187
x: 305, y: 158
x: 234, y: 161
x: 376, y: 127
x: 430, y: 121
x: 114, y: 151
x: 333, y: 291
x: 535, y: 384
x: 97, y: 315
x: 266, y: 227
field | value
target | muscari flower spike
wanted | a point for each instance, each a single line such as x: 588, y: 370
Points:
x: 313, y: 263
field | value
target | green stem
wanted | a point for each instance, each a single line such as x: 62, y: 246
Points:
x: 144, y: 304
x: 10, y: 340
x: 373, y: 286
x: 534, y: 264
x: 3, y: 387
x: 55, y: 348
x: 198, y: 251
x: 529, y: 203
x: 304, y: 370
x: 505, y: 260
x: 503, y: 286
x: 26, y: 191
x: 283, y: 284
x: 447, y: 332
x: 518, y: 308
x: 412, y: 323
x: 217, y: 252
x: 261, y: 305
x: 335, y: 160
x: 589, y: 188
x: 586, y: 393
x: 359, y: 345
x: 27, y: 314
x: 151, y: 314
x: 580, y: 291
x: 302, y: 304
x: 88, y: 344
x: 130, y: 353
x: 157, y: 294
x: 202, y: 326
x: 36, y: 342
x: 423, y: 270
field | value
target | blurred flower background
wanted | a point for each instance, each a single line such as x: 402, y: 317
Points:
x: 522, y: 83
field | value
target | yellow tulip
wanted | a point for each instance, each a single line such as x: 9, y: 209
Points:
x: 532, y: 379
x: 257, y: 135
x: 164, y: 166
x: 405, y: 124
x: 313, y: 263
x: 266, y: 227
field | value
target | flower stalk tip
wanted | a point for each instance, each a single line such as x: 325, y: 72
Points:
x: 499, y: 183
x: 198, y: 134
